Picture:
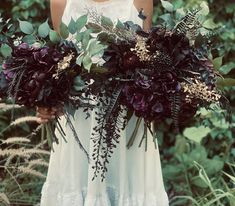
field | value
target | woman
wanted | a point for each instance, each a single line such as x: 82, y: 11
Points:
x: 134, y: 177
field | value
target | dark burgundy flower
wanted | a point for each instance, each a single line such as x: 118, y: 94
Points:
x: 130, y: 60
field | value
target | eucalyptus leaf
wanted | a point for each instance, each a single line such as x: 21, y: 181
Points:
x: 167, y: 6
x: 6, y: 50
x: 120, y: 25
x: 73, y: 26
x: 94, y: 27
x: 79, y: 84
x: 44, y: 29
x: 87, y: 62
x: 54, y: 36
x: 64, y: 31
x: 95, y: 48
x: 26, y: 27
x: 79, y: 60
x: 30, y: 39
x: 105, y: 21
x: 86, y: 38
x: 81, y: 22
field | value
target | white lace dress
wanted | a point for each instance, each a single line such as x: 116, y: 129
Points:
x: 134, y: 177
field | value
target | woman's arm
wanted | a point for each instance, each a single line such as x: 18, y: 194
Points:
x: 147, y: 6
x: 57, y: 10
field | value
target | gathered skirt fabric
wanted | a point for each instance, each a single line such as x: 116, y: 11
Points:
x: 134, y: 176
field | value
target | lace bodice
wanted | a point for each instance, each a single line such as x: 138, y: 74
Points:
x: 124, y: 10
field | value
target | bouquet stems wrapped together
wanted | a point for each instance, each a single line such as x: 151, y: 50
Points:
x: 122, y: 71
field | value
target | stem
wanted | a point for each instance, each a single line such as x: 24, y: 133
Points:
x: 76, y: 136
x: 133, y: 136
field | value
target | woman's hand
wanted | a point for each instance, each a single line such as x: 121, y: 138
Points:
x: 45, y: 114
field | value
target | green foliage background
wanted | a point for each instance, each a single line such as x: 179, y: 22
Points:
x: 198, y: 165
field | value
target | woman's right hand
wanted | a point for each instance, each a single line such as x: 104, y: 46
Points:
x: 45, y: 114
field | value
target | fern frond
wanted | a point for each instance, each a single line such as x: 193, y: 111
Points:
x: 113, y: 102
x: 188, y: 25
x: 175, y: 109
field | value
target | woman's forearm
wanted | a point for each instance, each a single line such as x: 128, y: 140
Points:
x: 57, y: 10
x: 147, y: 6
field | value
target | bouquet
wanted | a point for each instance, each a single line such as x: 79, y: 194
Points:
x: 118, y: 72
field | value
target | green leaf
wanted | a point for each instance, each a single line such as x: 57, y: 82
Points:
x: 95, y: 48
x: 227, y: 82
x: 120, y: 25
x: 86, y: 38
x: 6, y: 50
x: 79, y: 84
x: 54, y: 36
x: 167, y: 6
x: 79, y: 60
x: 197, y: 181
x: 79, y: 36
x: 217, y: 62
x: 81, y: 22
x: 204, y: 9
x: 105, y: 21
x: 178, y: 4
x: 26, y: 27
x: 225, y: 69
x: 73, y: 26
x: 103, y: 37
x: 210, y: 24
x: 87, y: 62
x: 30, y: 39
x: 44, y: 29
x: 196, y: 133
x: 180, y: 13
x: 64, y: 31
x: 94, y: 27
x: 167, y: 19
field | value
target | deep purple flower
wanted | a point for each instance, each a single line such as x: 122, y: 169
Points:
x: 157, y: 107
x: 142, y: 83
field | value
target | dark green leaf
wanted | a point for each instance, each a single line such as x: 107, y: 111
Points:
x: 225, y: 69
x: 105, y: 21
x: 227, y: 82
x: 217, y: 62
x: 94, y: 27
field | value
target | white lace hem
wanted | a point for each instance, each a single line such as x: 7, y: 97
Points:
x: 109, y: 198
